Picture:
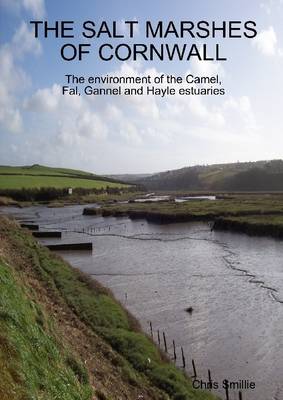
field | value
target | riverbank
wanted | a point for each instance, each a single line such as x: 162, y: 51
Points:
x: 63, y: 333
x: 254, y: 225
x: 254, y: 215
x: 74, y: 199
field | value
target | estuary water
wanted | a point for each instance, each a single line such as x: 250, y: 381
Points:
x: 233, y: 282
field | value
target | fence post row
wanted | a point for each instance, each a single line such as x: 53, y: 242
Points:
x: 227, y: 396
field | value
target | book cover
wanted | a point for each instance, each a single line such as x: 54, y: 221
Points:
x: 141, y: 200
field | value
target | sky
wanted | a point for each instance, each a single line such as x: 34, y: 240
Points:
x: 145, y: 134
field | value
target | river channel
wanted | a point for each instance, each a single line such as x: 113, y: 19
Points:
x: 233, y: 282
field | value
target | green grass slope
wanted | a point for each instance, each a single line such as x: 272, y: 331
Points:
x: 37, y: 176
x: 33, y: 364
x: 32, y: 182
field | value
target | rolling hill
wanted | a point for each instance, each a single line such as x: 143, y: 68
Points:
x: 38, y: 176
x: 246, y: 176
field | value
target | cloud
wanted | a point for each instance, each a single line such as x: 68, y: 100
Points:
x: 142, y: 121
x: 269, y: 6
x: 208, y: 68
x: 266, y: 42
x: 24, y: 42
x: 45, y: 100
x: 119, y: 134
x: 75, y: 119
x: 13, y: 79
x: 266, y: 7
x: 35, y: 7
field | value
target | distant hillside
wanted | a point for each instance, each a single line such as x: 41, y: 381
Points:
x: 38, y: 176
x: 246, y: 176
x: 128, y: 177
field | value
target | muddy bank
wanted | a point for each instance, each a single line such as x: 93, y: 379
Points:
x: 244, y: 221
x: 248, y: 227
x: 156, y: 217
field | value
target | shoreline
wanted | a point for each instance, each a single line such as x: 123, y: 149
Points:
x: 248, y: 227
x: 267, y: 222
x: 252, y: 215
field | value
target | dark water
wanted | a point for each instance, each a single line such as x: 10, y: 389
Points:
x: 233, y: 282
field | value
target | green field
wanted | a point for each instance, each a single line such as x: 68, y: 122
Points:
x: 38, y: 176
x: 31, y: 182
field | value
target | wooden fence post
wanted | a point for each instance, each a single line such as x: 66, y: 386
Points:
x: 227, y: 390
x: 194, y: 368
x: 165, y: 343
x: 209, y: 379
x: 183, y: 358
x: 174, y: 350
x: 151, y: 331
